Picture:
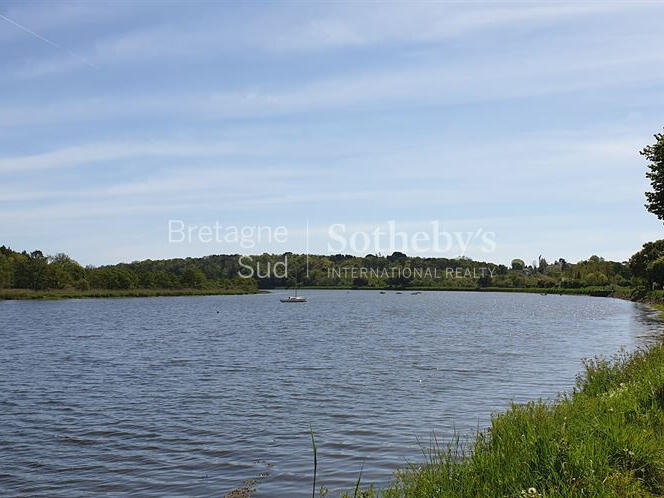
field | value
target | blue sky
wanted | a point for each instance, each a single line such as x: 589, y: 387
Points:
x: 520, y: 119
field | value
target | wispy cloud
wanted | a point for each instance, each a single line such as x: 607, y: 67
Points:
x: 98, y: 152
x: 463, y: 82
x: 339, y: 110
x: 581, y: 165
x: 338, y: 26
x: 557, y: 149
x: 182, y: 181
x: 53, y: 44
x: 425, y: 22
x: 45, y: 16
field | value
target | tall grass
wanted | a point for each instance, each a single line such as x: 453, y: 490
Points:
x: 313, y: 446
x: 605, y: 438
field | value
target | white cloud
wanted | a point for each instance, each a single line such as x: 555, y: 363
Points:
x: 48, y: 17
x: 397, y: 59
x: 332, y: 26
x: 96, y: 152
x: 229, y: 180
x: 470, y: 81
x: 420, y: 22
x: 435, y: 158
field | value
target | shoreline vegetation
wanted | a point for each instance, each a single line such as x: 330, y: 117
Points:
x: 621, y: 292
x: 33, y: 275
x: 55, y: 294
x: 605, y: 438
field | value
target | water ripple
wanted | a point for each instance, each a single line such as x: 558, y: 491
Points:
x: 164, y: 396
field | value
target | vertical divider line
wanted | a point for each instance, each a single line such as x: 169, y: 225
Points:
x: 306, y: 246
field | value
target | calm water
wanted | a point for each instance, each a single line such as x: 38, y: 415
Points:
x: 194, y: 395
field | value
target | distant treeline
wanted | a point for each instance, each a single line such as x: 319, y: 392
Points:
x: 459, y: 273
x: 34, y: 270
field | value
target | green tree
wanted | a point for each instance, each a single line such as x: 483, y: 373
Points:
x: 81, y: 284
x: 194, y: 278
x: 31, y: 272
x: 398, y: 282
x: 595, y: 279
x: 638, y: 263
x: 165, y: 280
x: 655, y: 155
x: 360, y: 282
x: 6, y: 272
x: 71, y: 267
x: 518, y: 264
x: 124, y: 279
x: 484, y: 280
x: 656, y: 271
x: 112, y: 277
x: 56, y: 277
x: 146, y: 279
x: 542, y: 264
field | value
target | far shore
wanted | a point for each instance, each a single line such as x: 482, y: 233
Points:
x: 28, y: 294
x: 583, y: 291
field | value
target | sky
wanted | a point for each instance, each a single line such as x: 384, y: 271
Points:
x: 517, y: 123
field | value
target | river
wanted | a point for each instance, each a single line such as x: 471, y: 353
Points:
x: 195, y: 395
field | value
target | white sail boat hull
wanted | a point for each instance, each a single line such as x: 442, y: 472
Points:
x: 293, y: 299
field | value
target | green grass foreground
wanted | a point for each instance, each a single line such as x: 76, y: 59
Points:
x: 11, y: 294
x: 606, y: 438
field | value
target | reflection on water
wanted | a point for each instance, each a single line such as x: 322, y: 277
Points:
x: 165, y: 396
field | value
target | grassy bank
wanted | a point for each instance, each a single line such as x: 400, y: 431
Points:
x: 9, y: 294
x: 606, y: 438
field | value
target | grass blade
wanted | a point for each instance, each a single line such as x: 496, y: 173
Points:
x: 313, y: 445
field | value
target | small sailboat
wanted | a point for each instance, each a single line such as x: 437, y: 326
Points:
x: 294, y: 299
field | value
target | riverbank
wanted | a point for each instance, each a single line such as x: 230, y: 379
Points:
x: 606, y: 438
x: 20, y: 294
x: 621, y: 292
x: 26, y: 294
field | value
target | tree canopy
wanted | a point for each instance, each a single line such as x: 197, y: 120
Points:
x: 39, y: 272
x: 655, y: 155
